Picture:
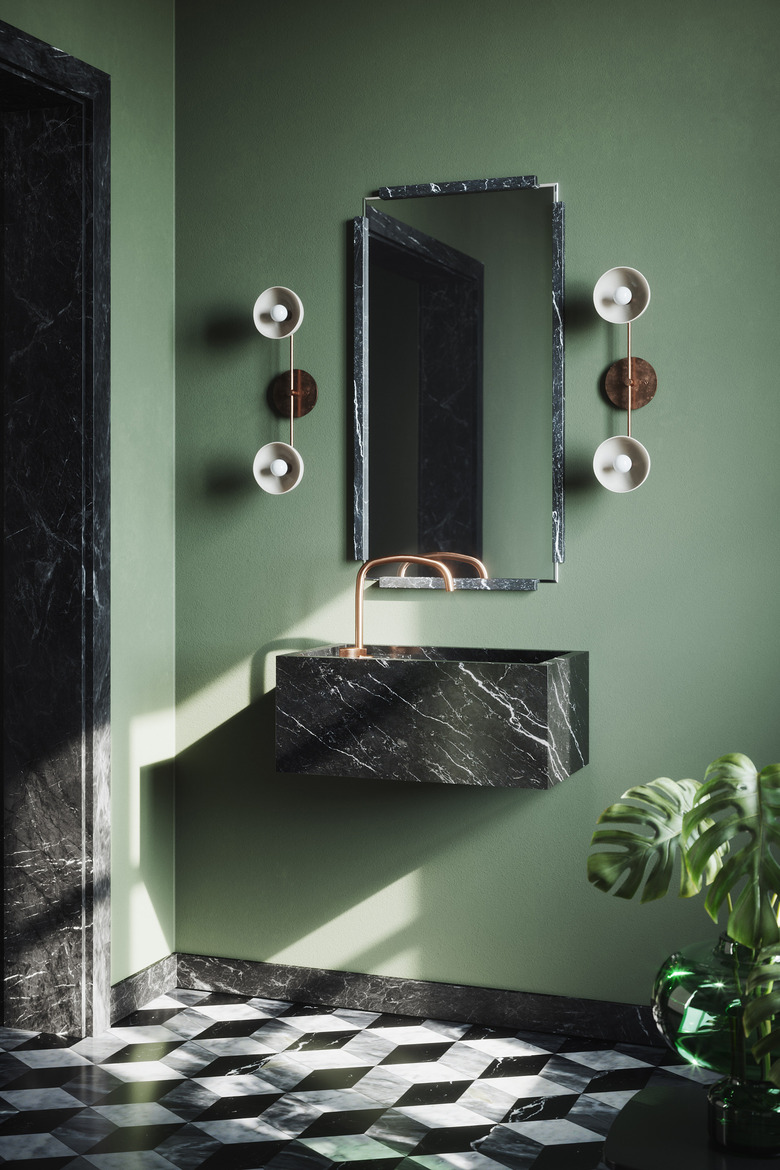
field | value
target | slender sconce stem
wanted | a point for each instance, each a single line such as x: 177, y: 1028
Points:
x: 630, y: 379
x: 292, y: 393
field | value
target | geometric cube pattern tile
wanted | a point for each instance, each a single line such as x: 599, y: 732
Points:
x: 204, y: 1081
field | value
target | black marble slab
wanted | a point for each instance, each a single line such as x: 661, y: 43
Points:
x: 458, y: 187
x: 558, y: 395
x: 497, y: 718
x: 492, y: 1007
x: 360, y: 389
x: 54, y: 112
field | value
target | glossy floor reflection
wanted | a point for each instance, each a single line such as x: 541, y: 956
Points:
x: 212, y: 1081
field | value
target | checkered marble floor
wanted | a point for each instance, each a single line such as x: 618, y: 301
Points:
x: 217, y: 1082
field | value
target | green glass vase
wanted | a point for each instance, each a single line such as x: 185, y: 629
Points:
x: 744, y: 1116
x: 698, y: 999
x: 697, y: 1005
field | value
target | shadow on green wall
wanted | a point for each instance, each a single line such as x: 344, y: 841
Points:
x: 226, y: 328
x: 150, y: 859
x: 307, y: 847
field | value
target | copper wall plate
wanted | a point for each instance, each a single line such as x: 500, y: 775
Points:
x: 644, y: 378
x: 304, y: 389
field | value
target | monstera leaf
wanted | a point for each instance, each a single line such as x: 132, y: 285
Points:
x: 647, y: 851
x: 762, y: 1007
x: 736, y: 815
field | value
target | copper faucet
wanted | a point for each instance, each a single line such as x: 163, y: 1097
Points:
x: 359, y: 650
x: 475, y: 562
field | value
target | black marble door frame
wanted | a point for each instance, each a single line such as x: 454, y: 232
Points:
x: 55, y: 123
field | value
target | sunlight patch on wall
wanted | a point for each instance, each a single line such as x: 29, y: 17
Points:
x: 213, y: 704
x: 329, y: 624
x: 377, y: 927
x: 148, y: 939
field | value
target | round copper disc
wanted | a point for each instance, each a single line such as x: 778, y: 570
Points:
x: 304, y: 391
x: 644, y: 379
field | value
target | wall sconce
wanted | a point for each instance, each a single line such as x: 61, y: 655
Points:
x: 278, y: 467
x: 622, y: 463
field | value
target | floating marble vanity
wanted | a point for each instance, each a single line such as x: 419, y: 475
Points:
x: 498, y: 718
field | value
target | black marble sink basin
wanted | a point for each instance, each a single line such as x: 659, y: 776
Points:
x: 436, y: 714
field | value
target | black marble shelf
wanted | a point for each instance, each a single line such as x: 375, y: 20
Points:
x: 490, y: 584
x: 459, y: 187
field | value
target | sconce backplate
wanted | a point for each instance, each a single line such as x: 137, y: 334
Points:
x: 645, y: 383
x: 304, y: 391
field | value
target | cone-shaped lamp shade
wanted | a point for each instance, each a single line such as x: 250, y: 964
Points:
x: 278, y: 468
x: 278, y: 312
x: 621, y: 295
x: 621, y: 464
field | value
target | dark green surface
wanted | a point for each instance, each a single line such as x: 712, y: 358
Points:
x: 665, y: 1128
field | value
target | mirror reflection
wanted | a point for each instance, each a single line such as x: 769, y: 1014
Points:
x: 459, y: 377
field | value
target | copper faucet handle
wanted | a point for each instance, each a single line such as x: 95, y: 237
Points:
x: 475, y: 562
x: 435, y: 562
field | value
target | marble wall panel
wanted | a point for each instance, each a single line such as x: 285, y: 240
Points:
x: 44, y: 515
x: 56, y: 468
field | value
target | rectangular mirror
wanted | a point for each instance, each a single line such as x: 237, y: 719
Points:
x: 458, y: 378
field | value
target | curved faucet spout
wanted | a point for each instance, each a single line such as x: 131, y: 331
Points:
x: 359, y: 650
x: 475, y: 562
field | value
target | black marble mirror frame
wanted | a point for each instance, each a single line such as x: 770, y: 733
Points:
x: 57, y: 758
x: 361, y: 386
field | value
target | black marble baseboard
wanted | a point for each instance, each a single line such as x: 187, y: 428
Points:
x: 598, y: 1019
x: 132, y: 993
x: 527, y: 1011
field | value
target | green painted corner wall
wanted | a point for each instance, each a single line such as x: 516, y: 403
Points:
x: 134, y: 44
x: 659, y: 122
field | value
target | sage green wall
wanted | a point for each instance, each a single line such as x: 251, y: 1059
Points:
x: 134, y: 44
x: 659, y: 122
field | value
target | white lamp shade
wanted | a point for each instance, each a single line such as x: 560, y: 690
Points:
x: 264, y: 317
x: 277, y: 485
x: 611, y: 456
x: 614, y: 282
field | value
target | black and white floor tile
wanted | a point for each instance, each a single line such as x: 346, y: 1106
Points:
x: 202, y: 1081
